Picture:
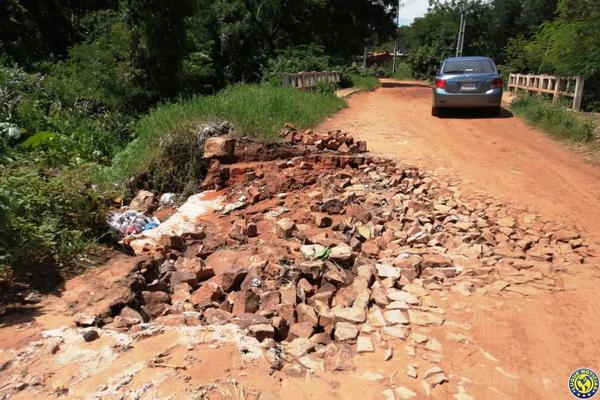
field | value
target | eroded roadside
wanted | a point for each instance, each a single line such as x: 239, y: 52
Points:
x: 315, y: 269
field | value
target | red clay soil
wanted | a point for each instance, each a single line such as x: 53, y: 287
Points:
x: 502, y: 156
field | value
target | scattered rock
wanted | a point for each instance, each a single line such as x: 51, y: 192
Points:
x: 433, y: 345
x: 338, y: 357
x: 220, y: 147
x: 403, y: 393
x: 262, y: 331
x: 144, y: 201
x: 396, y: 331
x: 298, y: 347
x: 285, y: 228
x: 364, y: 344
x: 345, y: 331
x: 388, y: 394
x: 394, y: 317
x: 388, y: 354
x: 351, y: 314
x: 411, y: 371
x: 371, y: 241
x: 435, y: 376
x: 89, y: 335
x: 424, y: 318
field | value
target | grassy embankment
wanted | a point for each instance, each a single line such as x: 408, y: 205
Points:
x: 559, y: 122
x: 259, y: 111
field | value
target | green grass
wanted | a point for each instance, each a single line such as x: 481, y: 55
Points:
x: 364, y: 82
x: 555, y: 119
x: 259, y: 111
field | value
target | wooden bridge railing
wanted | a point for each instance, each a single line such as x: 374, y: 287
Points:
x: 310, y: 79
x: 557, y: 86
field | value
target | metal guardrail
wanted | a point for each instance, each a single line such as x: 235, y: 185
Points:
x: 310, y: 79
x: 557, y: 86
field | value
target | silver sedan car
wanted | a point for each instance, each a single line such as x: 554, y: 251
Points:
x: 467, y: 82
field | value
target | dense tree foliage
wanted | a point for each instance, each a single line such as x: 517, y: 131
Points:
x: 35, y: 30
x: 490, y: 27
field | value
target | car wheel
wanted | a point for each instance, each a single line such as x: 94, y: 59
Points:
x: 435, y: 111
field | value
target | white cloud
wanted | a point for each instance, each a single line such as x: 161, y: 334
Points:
x: 413, y: 10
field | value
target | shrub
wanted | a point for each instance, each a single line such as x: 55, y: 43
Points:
x: 326, y: 87
x: 46, y: 216
x: 97, y: 69
x: 61, y: 127
x: 296, y: 59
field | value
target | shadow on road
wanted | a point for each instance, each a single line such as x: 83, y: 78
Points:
x: 474, y: 113
x: 394, y: 84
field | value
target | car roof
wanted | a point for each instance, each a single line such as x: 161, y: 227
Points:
x: 469, y: 58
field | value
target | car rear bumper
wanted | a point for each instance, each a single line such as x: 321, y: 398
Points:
x: 491, y: 98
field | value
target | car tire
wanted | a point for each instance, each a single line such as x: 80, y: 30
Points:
x: 496, y: 111
x: 435, y: 111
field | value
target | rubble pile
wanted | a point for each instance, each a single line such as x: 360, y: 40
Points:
x: 326, y: 255
x: 333, y: 140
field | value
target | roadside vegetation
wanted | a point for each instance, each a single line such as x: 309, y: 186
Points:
x: 364, y: 82
x: 403, y: 72
x: 556, y: 120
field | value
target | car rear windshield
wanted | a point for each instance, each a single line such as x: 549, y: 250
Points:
x: 468, y: 66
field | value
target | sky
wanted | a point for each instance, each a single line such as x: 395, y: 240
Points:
x: 413, y: 9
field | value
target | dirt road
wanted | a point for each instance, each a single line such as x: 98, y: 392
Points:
x: 501, y: 157
x: 534, y: 343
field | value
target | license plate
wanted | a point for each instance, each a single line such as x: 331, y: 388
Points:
x: 468, y: 86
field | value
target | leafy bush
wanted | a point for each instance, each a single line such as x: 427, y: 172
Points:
x: 403, y: 71
x: 296, y: 59
x: 47, y: 216
x: 555, y: 119
x: 424, y: 62
x: 326, y: 87
x: 98, y: 69
x: 65, y: 128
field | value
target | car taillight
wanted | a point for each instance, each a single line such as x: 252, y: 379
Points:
x: 497, y: 83
x: 440, y: 83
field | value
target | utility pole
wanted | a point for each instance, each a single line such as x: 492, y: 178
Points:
x: 396, y: 37
x: 364, y: 65
x: 461, y: 32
